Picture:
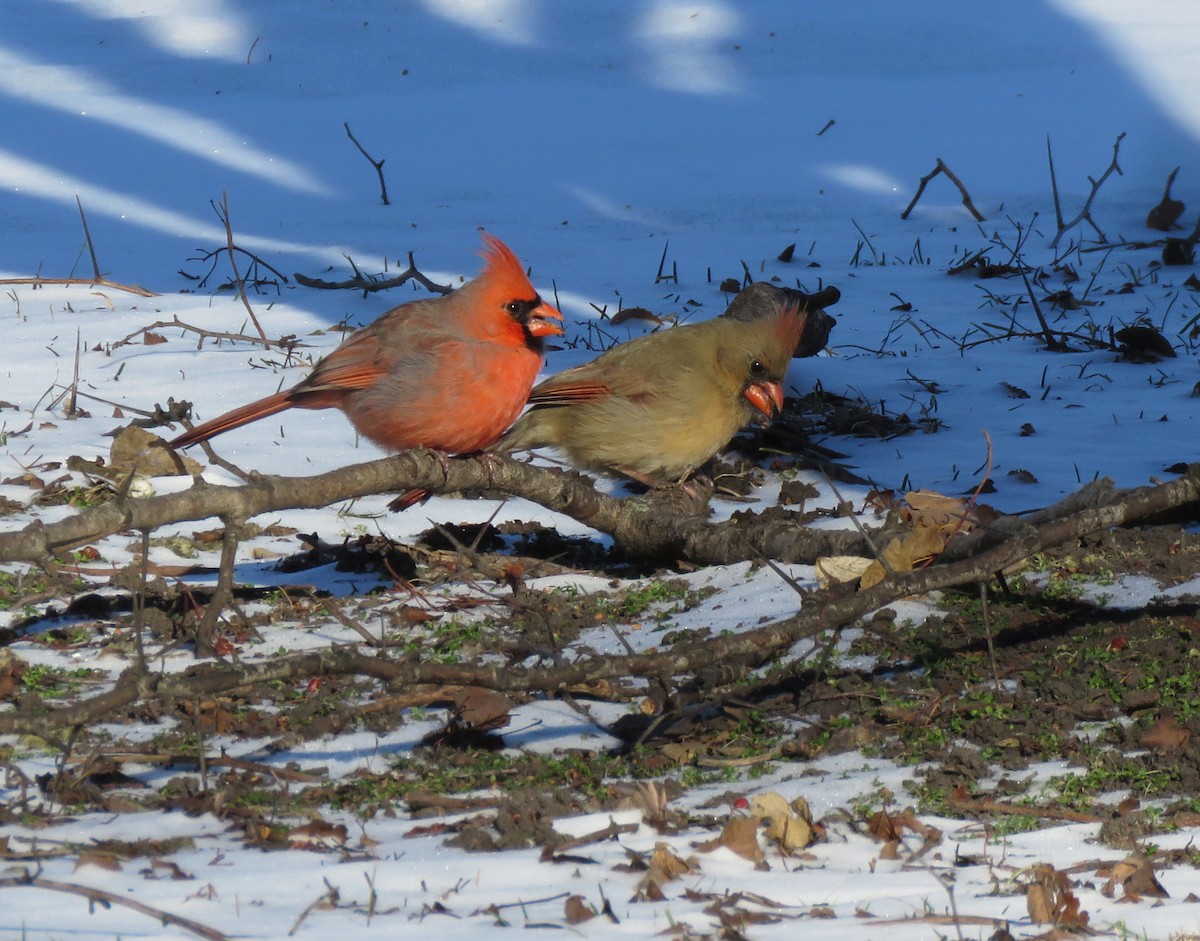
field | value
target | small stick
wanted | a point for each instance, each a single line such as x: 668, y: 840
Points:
x: 241, y: 285
x: 828, y: 124
x: 87, y: 235
x: 1085, y: 214
x: 377, y: 164
x: 369, y: 285
x: 942, y: 168
x: 38, y: 282
x: 102, y: 897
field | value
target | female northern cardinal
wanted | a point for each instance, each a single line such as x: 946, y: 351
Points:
x: 659, y: 406
x: 449, y: 373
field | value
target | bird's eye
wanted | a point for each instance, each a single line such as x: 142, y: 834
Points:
x: 512, y: 307
x: 757, y: 368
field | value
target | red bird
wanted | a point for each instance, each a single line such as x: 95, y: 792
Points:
x: 450, y: 373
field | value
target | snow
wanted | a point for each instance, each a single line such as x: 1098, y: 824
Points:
x: 590, y: 136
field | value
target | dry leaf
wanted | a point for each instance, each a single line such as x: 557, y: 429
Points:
x: 666, y: 862
x: 739, y: 835
x: 789, y: 825
x: 835, y: 569
x: 1051, y: 901
x: 318, y: 835
x: 576, y: 910
x: 99, y: 858
x: 482, y: 709
x: 136, y: 449
x: 1166, y: 735
x: 903, y: 553
x: 883, y: 828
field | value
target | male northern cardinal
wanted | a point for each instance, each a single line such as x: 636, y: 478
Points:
x: 449, y: 373
x: 657, y: 407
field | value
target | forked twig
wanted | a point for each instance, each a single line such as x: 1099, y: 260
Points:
x: 1084, y: 214
x: 241, y: 285
x: 942, y: 168
x: 368, y: 284
x: 377, y: 164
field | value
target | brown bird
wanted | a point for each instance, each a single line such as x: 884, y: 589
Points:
x: 658, y: 407
x: 449, y: 373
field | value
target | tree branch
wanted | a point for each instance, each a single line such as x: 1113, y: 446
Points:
x: 969, y: 559
x: 651, y: 526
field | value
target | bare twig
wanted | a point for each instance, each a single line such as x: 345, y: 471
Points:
x: 37, y: 282
x: 105, y: 898
x: 96, y: 279
x: 368, y: 284
x: 1084, y: 214
x: 87, y: 235
x: 377, y: 164
x: 241, y: 285
x: 328, y: 899
x: 286, y: 343
x: 942, y: 168
x: 967, y: 560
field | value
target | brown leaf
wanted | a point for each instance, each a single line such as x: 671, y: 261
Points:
x: 634, y: 313
x: 1166, y: 735
x: 1040, y: 902
x: 1143, y: 882
x: 789, y: 825
x: 1164, y: 216
x: 318, y: 835
x: 904, y: 553
x: 739, y: 835
x: 98, y: 858
x: 577, y: 911
x: 482, y: 709
x: 153, y: 339
x: 664, y: 861
x: 883, y: 828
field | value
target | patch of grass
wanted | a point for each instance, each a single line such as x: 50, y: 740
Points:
x: 55, y: 682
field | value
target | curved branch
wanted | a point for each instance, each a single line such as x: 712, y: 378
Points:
x: 651, y: 526
x: 822, y: 611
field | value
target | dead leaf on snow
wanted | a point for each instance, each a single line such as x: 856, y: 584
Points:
x: 482, y: 709
x: 740, y: 835
x: 576, y: 910
x: 1051, y: 901
x: 789, y: 825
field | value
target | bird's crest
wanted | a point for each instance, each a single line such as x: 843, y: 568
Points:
x: 789, y: 327
x: 502, y: 265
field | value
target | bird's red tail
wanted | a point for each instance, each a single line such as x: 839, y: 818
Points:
x: 236, y: 418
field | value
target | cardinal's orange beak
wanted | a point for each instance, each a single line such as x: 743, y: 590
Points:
x: 542, y: 321
x: 767, y: 397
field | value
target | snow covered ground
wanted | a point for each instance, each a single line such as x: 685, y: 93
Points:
x: 598, y: 139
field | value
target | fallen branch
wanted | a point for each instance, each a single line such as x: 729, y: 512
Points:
x: 942, y: 168
x: 369, y: 284
x: 37, y: 282
x: 652, y: 526
x: 96, y: 279
x: 105, y: 899
x: 988, y: 551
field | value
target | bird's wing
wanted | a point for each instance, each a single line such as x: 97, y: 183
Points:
x: 550, y: 394
x: 355, y: 364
